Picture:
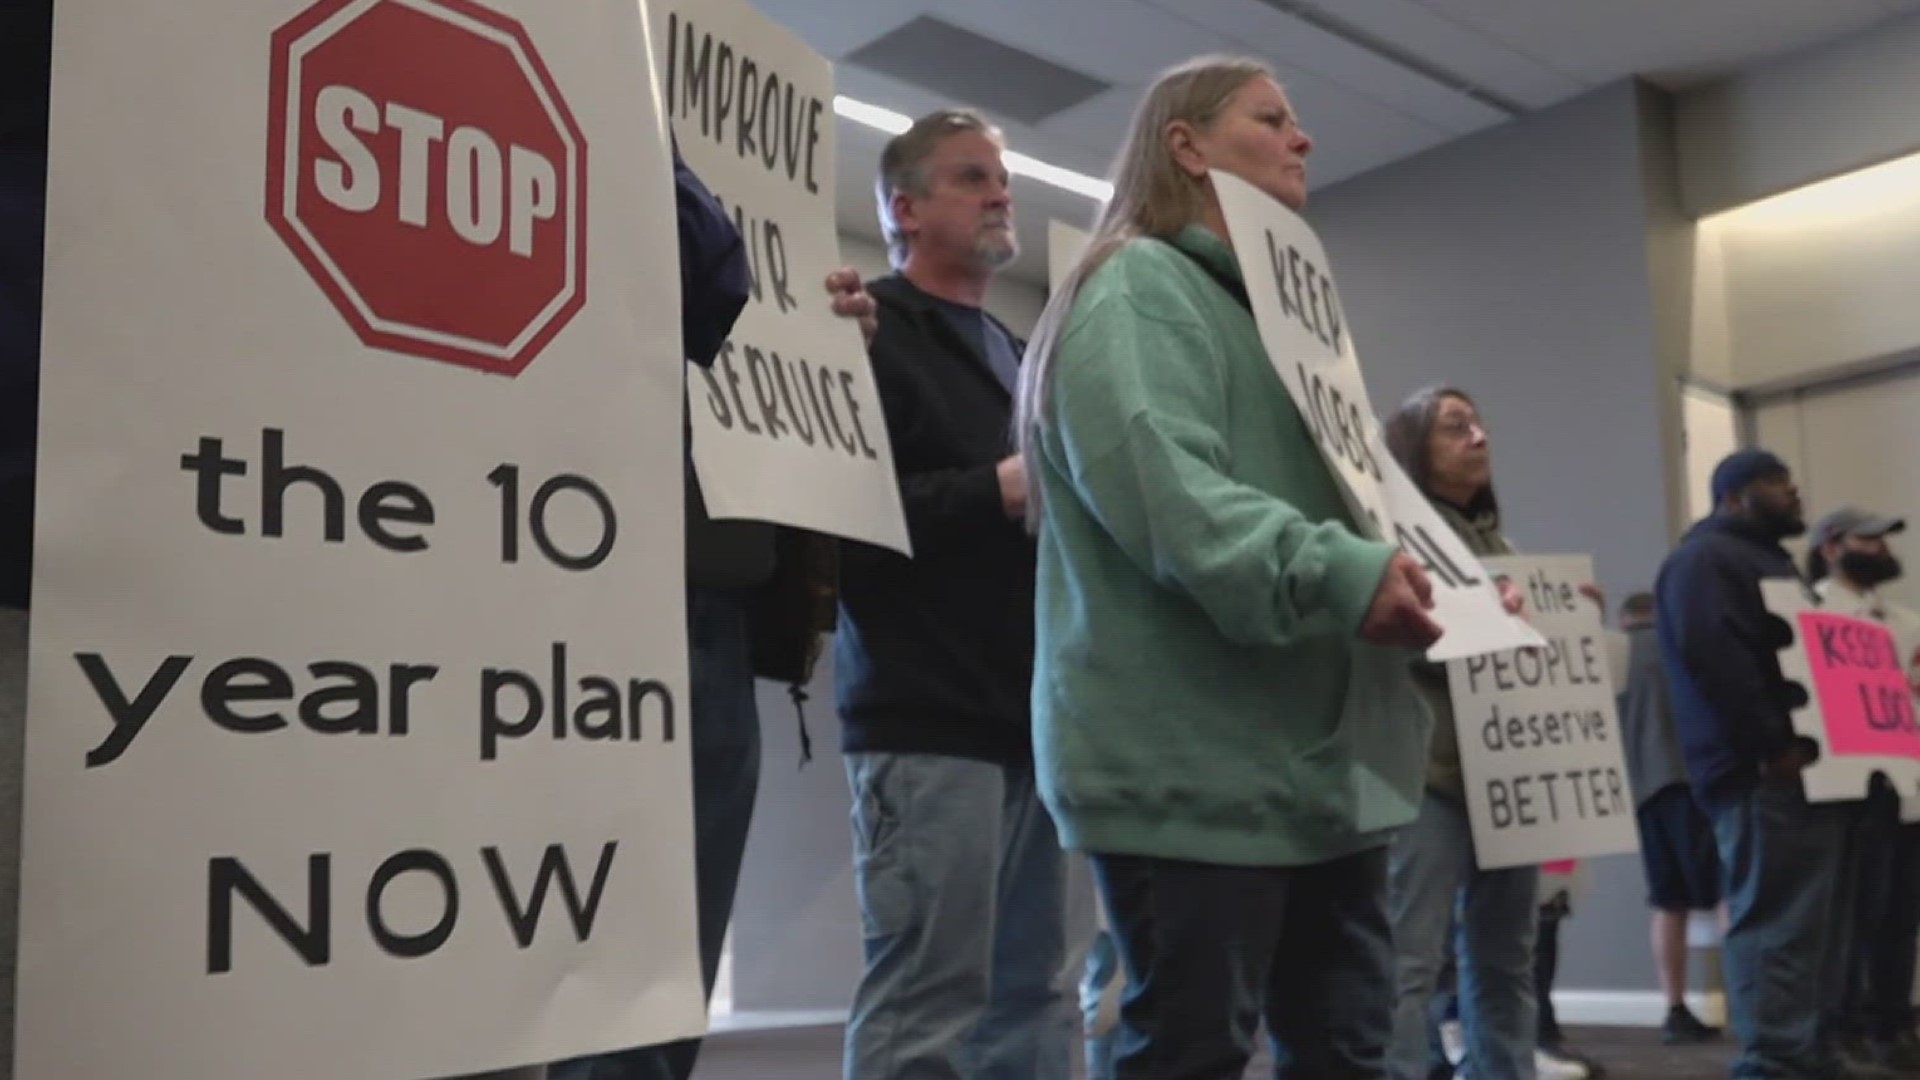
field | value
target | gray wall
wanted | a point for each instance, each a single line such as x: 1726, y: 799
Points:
x: 1801, y: 118
x: 1515, y: 264
x: 1672, y: 271
x: 796, y: 930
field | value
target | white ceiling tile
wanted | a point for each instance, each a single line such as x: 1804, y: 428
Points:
x: 1449, y: 44
x: 1068, y: 149
x: 1352, y: 133
x: 1099, y: 124
x: 837, y: 27
x: 1676, y: 41
x: 1298, y: 48
x: 1121, y: 41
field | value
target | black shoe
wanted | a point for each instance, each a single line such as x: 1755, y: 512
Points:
x: 1858, y: 1059
x: 1682, y: 1027
x: 1899, y: 1056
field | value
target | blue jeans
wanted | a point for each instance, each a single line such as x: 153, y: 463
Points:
x: 1435, y: 880
x: 961, y: 884
x: 1210, y: 951
x: 1103, y: 966
x: 725, y: 729
x: 1781, y: 857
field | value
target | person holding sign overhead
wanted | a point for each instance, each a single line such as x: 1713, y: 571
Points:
x: 959, y: 873
x: 1220, y: 688
x: 1438, y: 437
x: 1780, y: 854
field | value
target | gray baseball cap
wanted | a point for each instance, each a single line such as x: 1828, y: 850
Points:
x: 1852, y: 521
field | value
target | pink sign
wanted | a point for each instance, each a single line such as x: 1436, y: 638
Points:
x: 1862, y: 686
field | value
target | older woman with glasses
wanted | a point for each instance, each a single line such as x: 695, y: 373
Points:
x: 1439, y: 438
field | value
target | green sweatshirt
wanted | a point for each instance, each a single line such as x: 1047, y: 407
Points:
x: 1200, y: 691
x: 1481, y: 533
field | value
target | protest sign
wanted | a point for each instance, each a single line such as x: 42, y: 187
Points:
x: 787, y: 423
x: 1859, y: 706
x: 358, y: 744
x: 1861, y: 684
x: 1305, y: 330
x: 1539, y: 729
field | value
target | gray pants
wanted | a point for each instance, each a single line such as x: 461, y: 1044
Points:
x: 960, y: 877
x: 13, y: 724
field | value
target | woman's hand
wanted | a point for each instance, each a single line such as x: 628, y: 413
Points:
x: 1596, y: 594
x: 1511, y: 597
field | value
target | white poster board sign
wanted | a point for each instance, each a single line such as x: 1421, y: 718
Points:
x: 358, y: 744
x: 1539, y: 729
x: 1306, y: 334
x: 787, y: 424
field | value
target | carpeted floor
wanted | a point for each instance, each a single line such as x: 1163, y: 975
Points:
x: 814, y: 1054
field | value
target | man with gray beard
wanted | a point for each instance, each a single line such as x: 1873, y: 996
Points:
x: 958, y: 869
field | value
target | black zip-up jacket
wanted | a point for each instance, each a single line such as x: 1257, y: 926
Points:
x: 1720, y: 647
x: 934, y: 654
x: 26, y: 48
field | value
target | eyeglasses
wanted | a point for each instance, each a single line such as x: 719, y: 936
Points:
x: 1458, y: 428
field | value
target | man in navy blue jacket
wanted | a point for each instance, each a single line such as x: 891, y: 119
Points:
x: 1780, y: 853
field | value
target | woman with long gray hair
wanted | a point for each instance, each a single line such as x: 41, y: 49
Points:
x: 1438, y: 437
x: 1223, y: 718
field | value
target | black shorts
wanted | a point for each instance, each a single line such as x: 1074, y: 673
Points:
x: 1678, y: 850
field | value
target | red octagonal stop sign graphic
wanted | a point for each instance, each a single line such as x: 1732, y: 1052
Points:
x: 426, y: 171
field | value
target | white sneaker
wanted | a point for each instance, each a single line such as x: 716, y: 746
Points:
x: 1453, y: 1042
x: 1551, y: 1067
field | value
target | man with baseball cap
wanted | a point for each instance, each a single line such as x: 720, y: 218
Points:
x: 1848, y: 548
x: 1730, y: 702
x: 1848, y: 559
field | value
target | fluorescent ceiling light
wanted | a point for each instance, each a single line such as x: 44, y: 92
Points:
x: 1066, y: 179
x: 873, y: 116
x: 894, y: 123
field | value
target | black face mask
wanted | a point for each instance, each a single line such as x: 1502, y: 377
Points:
x: 1867, y: 569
